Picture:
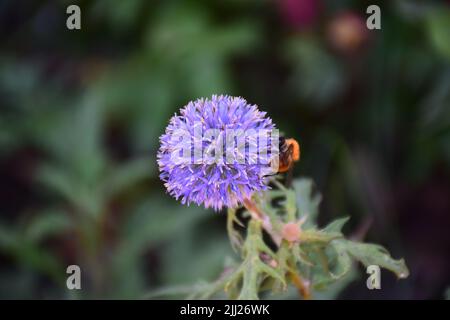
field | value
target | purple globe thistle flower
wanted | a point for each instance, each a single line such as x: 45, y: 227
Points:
x: 218, y: 152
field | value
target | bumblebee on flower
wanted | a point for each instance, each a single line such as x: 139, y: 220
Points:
x: 218, y: 152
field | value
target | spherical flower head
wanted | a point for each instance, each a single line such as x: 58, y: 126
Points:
x: 217, y: 152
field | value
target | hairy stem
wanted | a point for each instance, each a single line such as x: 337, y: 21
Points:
x: 257, y: 214
x: 302, y: 287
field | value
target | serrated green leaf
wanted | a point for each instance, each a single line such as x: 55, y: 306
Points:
x: 336, y: 225
x: 253, y: 271
x: 373, y: 254
x: 318, y: 236
x: 307, y: 203
x: 343, y: 262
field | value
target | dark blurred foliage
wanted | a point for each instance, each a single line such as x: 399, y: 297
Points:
x: 81, y: 113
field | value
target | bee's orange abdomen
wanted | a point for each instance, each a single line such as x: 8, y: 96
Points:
x: 295, y: 149
x: 283, y: 167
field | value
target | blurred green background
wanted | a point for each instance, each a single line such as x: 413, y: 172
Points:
x: 81, y: 113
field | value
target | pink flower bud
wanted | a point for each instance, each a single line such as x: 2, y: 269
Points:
x: 291, y: 231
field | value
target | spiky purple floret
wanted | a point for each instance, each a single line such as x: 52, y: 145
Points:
x: 217, y: 184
